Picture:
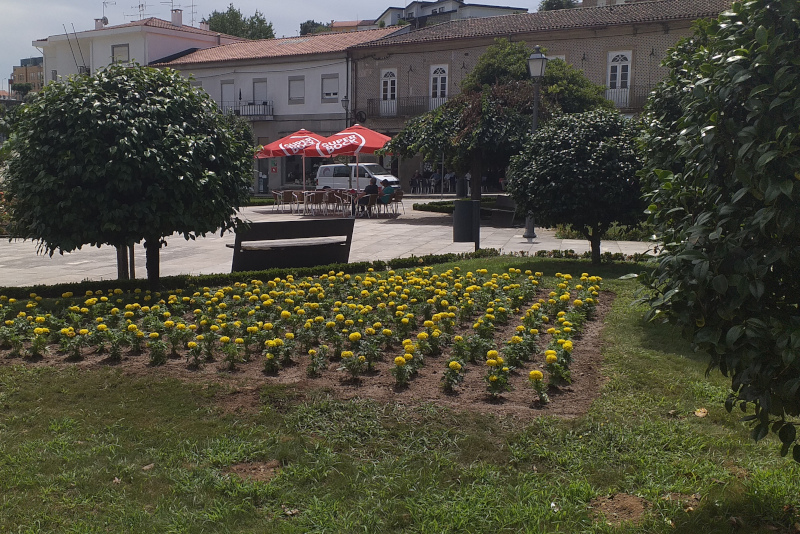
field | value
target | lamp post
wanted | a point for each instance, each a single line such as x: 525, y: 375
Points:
x: 346, y: 106
x: 537, y: 62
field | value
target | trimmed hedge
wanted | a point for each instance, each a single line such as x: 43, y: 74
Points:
x: 193, y: 281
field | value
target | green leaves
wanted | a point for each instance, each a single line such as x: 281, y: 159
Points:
x: 730, y: 223
x: 101, y: 160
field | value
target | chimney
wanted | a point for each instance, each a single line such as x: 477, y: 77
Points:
x: 204, y: 25
x: 177, y: 17
x: 98, y: 24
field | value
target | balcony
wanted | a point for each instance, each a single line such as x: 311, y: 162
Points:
x: 410, y: 106
x: 632, y: 98
x: 252, y: 110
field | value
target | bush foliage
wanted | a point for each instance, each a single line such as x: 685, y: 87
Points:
x: 580, y: 169
x: 724, y: 198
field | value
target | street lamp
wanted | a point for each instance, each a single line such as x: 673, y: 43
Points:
x: 346, y: 106
x: 537, y: 62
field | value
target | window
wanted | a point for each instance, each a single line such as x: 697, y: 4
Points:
x: 259, y: 91
x: 330, y: 88
x: 297, y: 89
x: 619, y: 70
x: 619, y: 77
x: 228, y: 100
x: 438, y: 81
x: 120, y: 53
x: 53, y: 75
x: 388, y: 104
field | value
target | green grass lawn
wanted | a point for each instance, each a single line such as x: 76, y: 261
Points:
x: 102, y: 451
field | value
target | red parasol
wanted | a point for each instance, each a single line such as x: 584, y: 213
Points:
x: 291, y: 145
x: 351, y: 141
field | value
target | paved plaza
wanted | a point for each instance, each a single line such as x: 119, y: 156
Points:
x: 411, y: 233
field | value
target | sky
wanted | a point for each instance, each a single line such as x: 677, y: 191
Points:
x: 23, y: 21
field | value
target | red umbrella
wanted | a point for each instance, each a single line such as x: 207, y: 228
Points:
x: 351, y: 141
x: 291, y: 145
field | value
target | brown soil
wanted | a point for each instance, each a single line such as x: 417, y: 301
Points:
x: 242, y: 386
x: 256, y: 471
x: 619, y: 508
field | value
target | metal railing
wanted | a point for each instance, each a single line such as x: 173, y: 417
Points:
x: 409, y: 106
x: 247, y: 109
x: 631, y: 98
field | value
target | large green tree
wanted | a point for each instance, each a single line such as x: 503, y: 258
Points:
x: 488, y: 122
x: 312, y: 26
x: 232, y: 22
x: 551, y: 5
x: 126, y: 154
x: 581, y: 169
x: 22, y: 89
x: 722, y: 181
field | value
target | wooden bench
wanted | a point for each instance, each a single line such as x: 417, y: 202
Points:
x: 503, y: 212
x: 264, y: 245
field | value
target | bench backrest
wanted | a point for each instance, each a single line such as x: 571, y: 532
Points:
x: 504, y: 202
x: 267, y: 231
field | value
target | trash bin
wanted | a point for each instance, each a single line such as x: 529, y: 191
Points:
x: 461, y: 187
x: 467, y: 222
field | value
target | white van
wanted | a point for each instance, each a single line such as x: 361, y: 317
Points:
x: 340, y: 176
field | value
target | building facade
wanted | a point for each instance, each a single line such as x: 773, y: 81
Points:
x: 30, y: 70
x: 280, y: 86
x: 619, y: 47
x: 144, y: 41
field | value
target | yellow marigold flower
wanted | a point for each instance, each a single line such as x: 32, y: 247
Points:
x: 567, y: 346
x: 169, y: 324
x: 289, y: 335
x: 269, y: 356
x: 153, y: 335
x: 422, y: 336
x: 399, y: 361
x: 492, y: 354
x: 347, y: 354
x: 355, y: 336
x: 493, y: 378
x: 192, y: 345
x: 516, y: 340
x: 386, y: 332
x: 491, y: 362
x: 535, y: 375
x: 83, y: 332
x: 454, y: 365
x: 239, y: 341
x: 551, y: 358
x: 458, y: 339
x: 102, y: 328
x: 428, y: 324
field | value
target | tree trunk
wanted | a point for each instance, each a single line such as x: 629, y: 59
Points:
x: 152, y: 246
x: 593, y: 234
x: 595, y: 241
x: 122, y: 262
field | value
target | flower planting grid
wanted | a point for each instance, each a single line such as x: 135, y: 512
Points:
x: 257, y: 312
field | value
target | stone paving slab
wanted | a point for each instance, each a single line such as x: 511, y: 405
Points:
x: 413, y: 233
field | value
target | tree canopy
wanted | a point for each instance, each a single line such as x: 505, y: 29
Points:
x: 580, y: 169
x: 723, y: 195
x: 22, y: 88
x: 488, y: 122
x: 551, y: 5
x: 232, y: 22
x: 312, y: 26
x: 126, y: 154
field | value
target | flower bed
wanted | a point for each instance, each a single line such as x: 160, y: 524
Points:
x: 505, y: 329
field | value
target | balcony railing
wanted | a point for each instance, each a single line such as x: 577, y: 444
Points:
x: 247, y: 109
x: 631, y: 98
x: 409, y: 106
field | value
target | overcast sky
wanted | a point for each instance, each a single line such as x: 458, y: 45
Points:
x: 23, y: 21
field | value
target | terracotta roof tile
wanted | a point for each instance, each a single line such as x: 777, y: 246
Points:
x: 289, y: 46
x: 562, y: 19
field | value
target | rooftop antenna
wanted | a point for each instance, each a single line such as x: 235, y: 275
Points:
x: 70, y: 46
x: 107, y: 3
x: 142, y: 8
x: 193, y: 12
x: 78, y: 44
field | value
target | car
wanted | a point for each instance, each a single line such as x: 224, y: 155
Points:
x: 343, y: 176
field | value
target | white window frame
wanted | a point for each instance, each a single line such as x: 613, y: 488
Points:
x: 256, y: 100
x: 438, y: 87
x: 295, y: 98
x: 388, y: 92
x: 331, y: 97
x: 117, y: 57
x: 619, y: 73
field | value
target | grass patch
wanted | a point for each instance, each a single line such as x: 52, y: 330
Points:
x: 86, y: 450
